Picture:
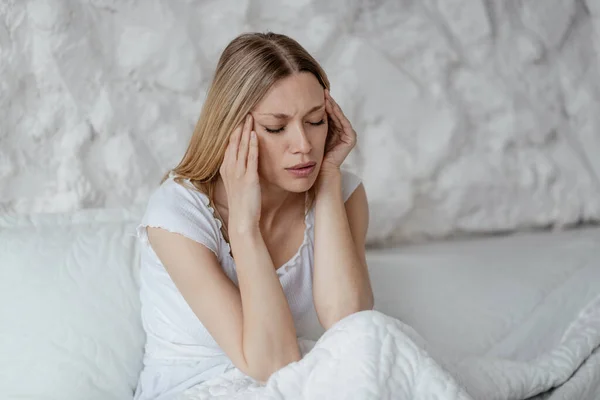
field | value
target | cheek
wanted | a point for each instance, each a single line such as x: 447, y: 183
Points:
x: 266, y: 153
x: 263, y: 154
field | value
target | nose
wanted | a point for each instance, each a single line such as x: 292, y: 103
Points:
x: 300, y: 142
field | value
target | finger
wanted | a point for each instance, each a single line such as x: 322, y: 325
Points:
x: 330, y: 110
x: 345, y: 124
x: 335, y: 105
x: 334, y: 117
x: 234, y: 141
x: 338, y: 110
x: 242, y: 154
x: 231, y: 149
x: 328, y: 106
x: 253, y: 153
x: 337, y: 126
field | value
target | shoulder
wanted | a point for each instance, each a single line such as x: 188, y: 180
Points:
x: 350, y: 182
x: 172, y: 196
x: 181, y: 208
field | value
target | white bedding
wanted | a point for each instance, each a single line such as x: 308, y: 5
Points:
x: 472, y: 303
x: 365, y: 356
x: 508, y: 318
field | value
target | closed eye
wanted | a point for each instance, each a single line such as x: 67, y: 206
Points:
x: 278, y: 130
x: 274, y: 130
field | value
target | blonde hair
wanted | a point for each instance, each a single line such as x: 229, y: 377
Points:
x: 248, y: 67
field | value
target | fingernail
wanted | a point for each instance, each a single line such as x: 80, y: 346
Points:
x: 253, y: 135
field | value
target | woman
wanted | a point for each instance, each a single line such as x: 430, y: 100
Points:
x: 256, y: 237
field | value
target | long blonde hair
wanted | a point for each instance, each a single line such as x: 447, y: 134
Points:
x: 248, y: 67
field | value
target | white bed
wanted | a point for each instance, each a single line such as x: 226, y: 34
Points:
x: 69, y: 308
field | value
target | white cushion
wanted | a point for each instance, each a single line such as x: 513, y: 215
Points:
x: 69, y: 308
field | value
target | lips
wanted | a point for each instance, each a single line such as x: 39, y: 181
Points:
x: 303, y: 166
x: 302, y: 170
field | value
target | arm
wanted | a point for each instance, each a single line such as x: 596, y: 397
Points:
x: 253, y: 325
x: 269, y: 334
x: 341, y: 279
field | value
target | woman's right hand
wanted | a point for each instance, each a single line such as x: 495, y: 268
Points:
x: 239, y: 172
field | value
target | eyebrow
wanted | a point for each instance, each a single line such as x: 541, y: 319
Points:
x: 285, y: 116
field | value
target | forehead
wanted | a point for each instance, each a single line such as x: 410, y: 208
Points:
x: 292, y: 94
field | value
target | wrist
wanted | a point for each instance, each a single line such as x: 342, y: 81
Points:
x: 243, y: 229
x: 328, y: 173
x: 329, y: 182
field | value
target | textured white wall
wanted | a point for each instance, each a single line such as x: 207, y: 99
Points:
x: 473, y: 115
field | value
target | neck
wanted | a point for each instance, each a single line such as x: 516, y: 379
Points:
x: 276, y: 201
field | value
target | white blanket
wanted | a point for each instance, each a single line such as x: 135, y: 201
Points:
x: 369, y: 355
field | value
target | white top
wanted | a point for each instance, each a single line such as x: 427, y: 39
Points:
x: 179, y: 351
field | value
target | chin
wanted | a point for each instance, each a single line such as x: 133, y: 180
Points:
x: 298, y: 185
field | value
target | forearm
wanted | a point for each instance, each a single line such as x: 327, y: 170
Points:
x: 269, y: 336
x: 341, y: 283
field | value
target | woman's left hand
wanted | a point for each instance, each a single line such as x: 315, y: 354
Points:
x: 344, y: 137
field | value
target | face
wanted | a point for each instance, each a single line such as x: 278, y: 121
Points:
x: 291, y: 123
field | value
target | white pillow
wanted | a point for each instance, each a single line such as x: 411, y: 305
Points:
x: 69, y: 308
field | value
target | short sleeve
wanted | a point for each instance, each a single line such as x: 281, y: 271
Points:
x: 350, y: 182
x: 181, y: 210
